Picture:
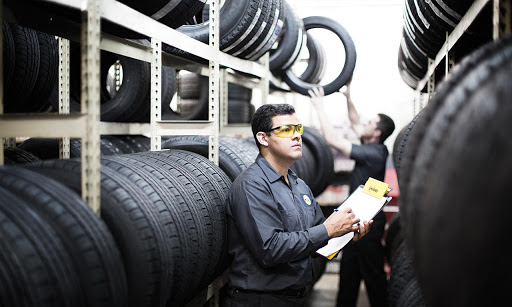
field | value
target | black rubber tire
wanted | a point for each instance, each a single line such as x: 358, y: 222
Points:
x: 15, y: 156
x: 323, y: 169
x: 345, y: 74
x: 35, y: 267
x: 90, y: 246
x: 289, y: 44
x: 233, y: 159
x: 315, y: 70
x: 131, y: 102
x: 48, y: 72
x: 418, y: 133
x: 203, y: 189
x: 9, y: 54
x: 235, y: 18
x: 482, y: 117
x: 26, y: 69
x: 270, y: 34
x: 138, y: 220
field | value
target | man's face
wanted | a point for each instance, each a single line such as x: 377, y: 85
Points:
x: 288, y: 148
x: 370, y: 127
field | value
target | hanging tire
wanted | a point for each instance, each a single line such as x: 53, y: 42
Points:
x: 345, y: 74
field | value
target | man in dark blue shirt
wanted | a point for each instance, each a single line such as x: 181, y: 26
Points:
x: 362, y: 260
x: 274, y: 223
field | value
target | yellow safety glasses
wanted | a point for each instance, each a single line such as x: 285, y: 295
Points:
x: 286, y: 131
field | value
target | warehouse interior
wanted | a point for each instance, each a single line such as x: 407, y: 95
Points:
x: 124, y: 123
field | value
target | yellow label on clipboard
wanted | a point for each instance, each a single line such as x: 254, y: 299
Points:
x: 375, y: 188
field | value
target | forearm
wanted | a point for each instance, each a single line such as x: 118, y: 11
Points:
x: 352, y: 112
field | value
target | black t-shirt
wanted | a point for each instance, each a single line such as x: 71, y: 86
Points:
x: 370, y: 162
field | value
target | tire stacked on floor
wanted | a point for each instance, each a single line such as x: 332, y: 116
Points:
x: 162, y: 213
x: 426, y: 24
x: 453, y: 178
x: 57, y: 252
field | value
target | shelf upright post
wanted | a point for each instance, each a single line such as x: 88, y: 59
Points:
x: 90, y: 103
x: 431, y: 83
x: 213, y: 95
x: 223, y: 100
x: 64, y: 147
x: 156, y: 96
x: 264, y: 81
x: 501, y: 18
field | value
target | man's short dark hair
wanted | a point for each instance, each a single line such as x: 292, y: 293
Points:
x: 386, y: 126
x: 262, y: 118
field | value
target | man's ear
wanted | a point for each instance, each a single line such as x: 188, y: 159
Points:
x: 262, y: 138
x: 377, y: 133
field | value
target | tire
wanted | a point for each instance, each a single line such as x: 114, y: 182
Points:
x: 9, y: 56
x: 236, y: 18
x: 26, y: 69
x: 233, y: 159
x: 345, y: 74
x: 483, y: 116
x: 48, y: 72
x: 289, y: 44
x: 14, y: 156
x: 323, y: 169
x: 421, y: 128
x: 97, y: 263
x: 131, y: 101
x: 138, y: 220
x: 35, y: 267
x: 315, y: 70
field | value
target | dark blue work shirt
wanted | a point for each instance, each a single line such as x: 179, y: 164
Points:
x: 273, y: 229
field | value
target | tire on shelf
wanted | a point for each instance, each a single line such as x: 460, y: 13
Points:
x: 481, y: 116
x: 15, y: 156
x: 9, y: 54
x: 236, y: 23
x: 345, y: 74
x: 423, y: 123
x: 48, y: 73
x: 130, y: 103
x: 289, y: 44
x: 26, y: 69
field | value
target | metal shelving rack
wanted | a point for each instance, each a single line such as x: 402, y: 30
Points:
x: 86, y: 125
x: 501, y: 25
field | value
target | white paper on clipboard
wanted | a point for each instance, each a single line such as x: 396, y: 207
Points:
x: 365, y: 207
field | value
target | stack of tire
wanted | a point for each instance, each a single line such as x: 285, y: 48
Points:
x: 454, y: 170
x: 426, y: 24
x: 160, y: 240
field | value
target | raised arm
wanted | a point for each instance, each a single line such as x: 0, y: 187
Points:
x: 352, y: 112
x: 334, y: 139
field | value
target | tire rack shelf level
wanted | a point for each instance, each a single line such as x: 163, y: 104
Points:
x: 501, y: 12
x: 84, y: 125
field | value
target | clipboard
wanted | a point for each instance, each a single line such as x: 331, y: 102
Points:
x: 365, y: 207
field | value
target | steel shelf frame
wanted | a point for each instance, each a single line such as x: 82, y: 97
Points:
x: 501, y: 12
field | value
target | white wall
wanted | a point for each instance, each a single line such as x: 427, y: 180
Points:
x: 376, y: 29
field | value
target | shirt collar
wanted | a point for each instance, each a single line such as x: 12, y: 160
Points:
x: 270, y: 172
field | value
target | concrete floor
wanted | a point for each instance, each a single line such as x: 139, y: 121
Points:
x: 326, y: 288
